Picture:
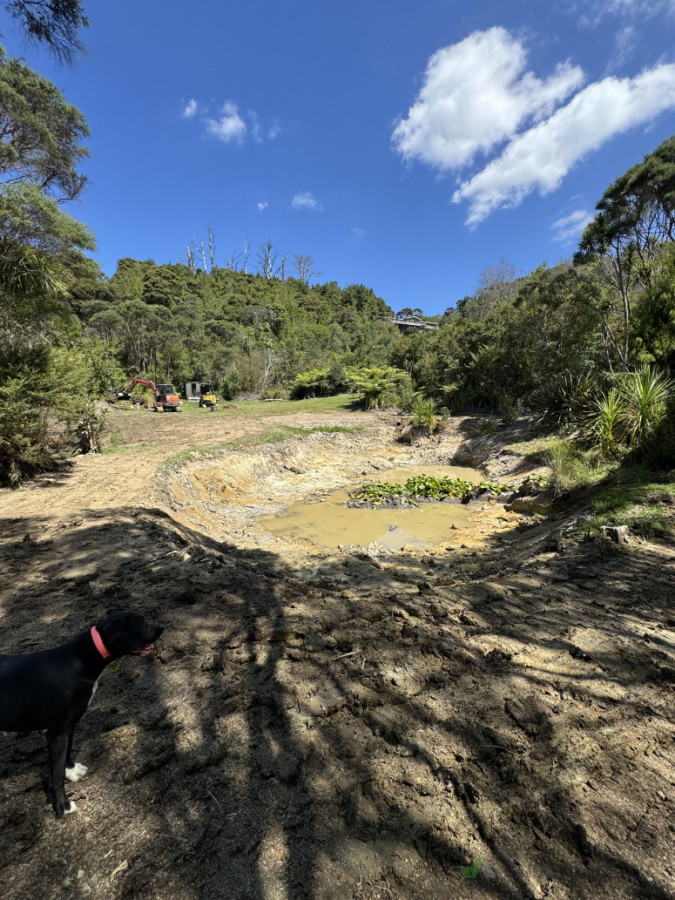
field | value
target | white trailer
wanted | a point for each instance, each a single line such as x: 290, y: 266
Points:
x: 193, y: 390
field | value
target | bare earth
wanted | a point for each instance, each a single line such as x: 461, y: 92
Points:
x: 346, y: 724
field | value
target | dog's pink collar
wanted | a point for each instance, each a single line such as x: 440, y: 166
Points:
x: 98, y: 642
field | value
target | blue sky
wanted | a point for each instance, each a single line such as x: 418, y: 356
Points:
x: 403, y: 145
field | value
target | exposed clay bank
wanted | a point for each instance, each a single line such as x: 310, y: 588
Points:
x: 291, y: 496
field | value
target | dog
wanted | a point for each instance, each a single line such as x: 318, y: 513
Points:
x: 50, y: 690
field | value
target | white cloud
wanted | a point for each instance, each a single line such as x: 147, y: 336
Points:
x: 625, y: 41
x: 256, y: 131
x: 274, y: 131
x: 476, y: 94
x: 230, y: 126
x: 305, y: 201
x: 478, y: 98
x: 637, y: 10
x: 568, y: 228
x: 539, y: 158
x: 262, y: 205
x: 190, y: 109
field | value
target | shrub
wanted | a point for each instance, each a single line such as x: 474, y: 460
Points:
x: 90, y: 429
x: 606, y: 423
x: 40, y: 407
x: 424, y: 416
x: 568, y: 399
x: 312, y: 383
x: 644, y: 395
x: 406, y: 397
x: 230, y: 385
x: 563, y: 461
x: 511, y: 409
x: 377, y: 384
x: 658, y: 449
x: 325, y: 382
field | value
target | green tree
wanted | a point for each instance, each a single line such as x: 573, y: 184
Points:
x: 40, y: 149
x: 636, y: 215
x: 653, y: 334
x: 377, y: 384
x: 55, y: 23
x: 41, y: 134
x: 45, y: 381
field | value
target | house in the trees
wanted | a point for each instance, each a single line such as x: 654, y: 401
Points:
x: 410, y: 323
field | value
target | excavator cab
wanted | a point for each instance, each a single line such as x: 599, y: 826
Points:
x: 208, y: 396
x: 166, y: 398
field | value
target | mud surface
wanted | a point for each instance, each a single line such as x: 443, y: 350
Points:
x: 334, y: 521
x: 336, y: 725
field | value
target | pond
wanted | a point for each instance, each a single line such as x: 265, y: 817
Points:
x: 329, y: 522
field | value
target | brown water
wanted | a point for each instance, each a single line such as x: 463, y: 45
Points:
x: 330, y: 522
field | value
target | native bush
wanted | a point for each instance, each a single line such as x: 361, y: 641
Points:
x: 377, y: 384
x: 563, y: 460
x: 644, y: 395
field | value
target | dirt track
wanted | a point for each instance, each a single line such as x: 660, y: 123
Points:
x: 340, y: 726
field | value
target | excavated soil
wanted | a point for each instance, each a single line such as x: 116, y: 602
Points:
x: 336, y: 724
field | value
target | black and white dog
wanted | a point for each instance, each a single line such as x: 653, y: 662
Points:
x: 51, y: 689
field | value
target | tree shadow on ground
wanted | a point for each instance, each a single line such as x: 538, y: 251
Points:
x: 301, y: 739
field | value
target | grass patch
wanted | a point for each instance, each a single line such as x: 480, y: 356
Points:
x: 341, y: 403
x: 323, y: 429
x: 639, y: 498
x: 534, y: 446
x: 128, y: 449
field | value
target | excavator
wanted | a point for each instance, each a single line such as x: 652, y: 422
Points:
x: 165, y: 396
x: 207, y: 397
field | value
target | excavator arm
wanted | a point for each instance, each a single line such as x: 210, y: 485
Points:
x: 126, y: 393
x: 165, y: 396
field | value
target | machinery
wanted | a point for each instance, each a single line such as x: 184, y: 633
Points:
x: 165, y: 396
x: 201, y: 391
x: 208, y: 396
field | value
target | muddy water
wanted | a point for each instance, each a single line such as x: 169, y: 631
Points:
x: 330, y: 522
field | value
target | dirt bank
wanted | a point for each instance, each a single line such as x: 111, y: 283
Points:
x: 336, y: 725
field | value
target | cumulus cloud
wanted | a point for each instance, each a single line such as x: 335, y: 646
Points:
x: 262, y: 205
x: 568, y: 229
x: 476, y: 94
x: 230, y: 126
x: 305, y: 201
x: 481, y: 109
x: 540, y: 157
x: 190, y: 109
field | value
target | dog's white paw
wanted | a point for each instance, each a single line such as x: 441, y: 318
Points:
x: 71, y: 808
x: 78, y: 771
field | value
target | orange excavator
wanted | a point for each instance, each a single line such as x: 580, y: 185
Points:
x: 165, y: 396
